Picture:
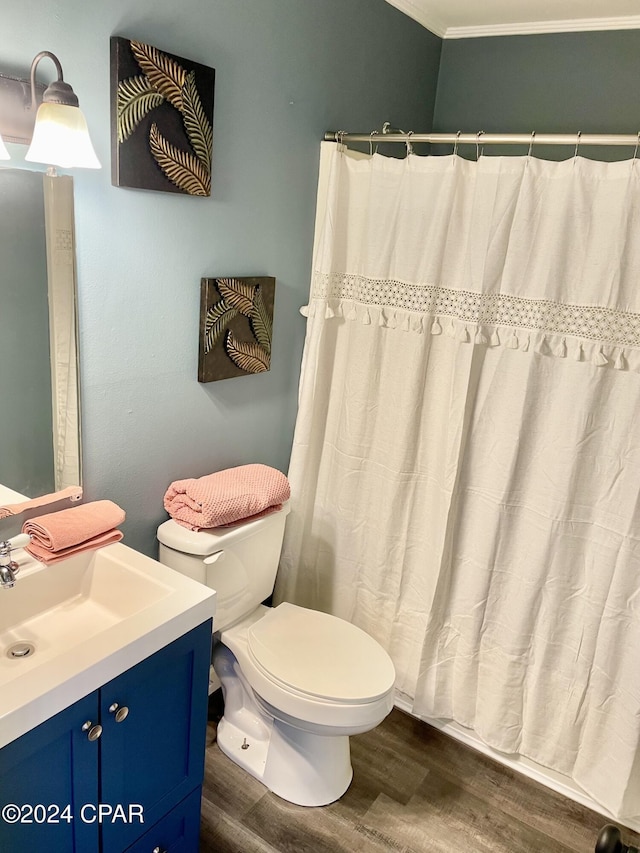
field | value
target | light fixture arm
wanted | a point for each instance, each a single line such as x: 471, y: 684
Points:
x: 57, y: 92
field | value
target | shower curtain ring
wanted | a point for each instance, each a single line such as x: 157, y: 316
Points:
x: 479, y: 151
x: 409, y: 145
x: 533, y: 137
x: 575, y: 153
x: 635, y: 150
x: 371, y: 135
x: 455, y: 144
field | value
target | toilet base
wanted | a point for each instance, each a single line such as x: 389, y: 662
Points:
x: 302, y: 768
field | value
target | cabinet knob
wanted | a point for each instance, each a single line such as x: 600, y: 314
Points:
x: 93, y: 732
x: 120, y: 713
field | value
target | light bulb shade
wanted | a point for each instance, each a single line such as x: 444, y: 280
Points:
x: 61, y: 138
x: 4, y: 154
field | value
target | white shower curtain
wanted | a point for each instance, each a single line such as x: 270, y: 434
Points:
x: 466, y: 461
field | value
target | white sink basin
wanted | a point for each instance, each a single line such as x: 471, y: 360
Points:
x: 60, y: 608
x: 67, y: 629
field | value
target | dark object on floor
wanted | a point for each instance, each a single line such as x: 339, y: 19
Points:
x: 610, y: 841
x: 216, y: 706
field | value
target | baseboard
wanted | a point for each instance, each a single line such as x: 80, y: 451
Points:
x: 555, y: 781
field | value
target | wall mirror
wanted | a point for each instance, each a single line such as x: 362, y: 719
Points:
x: 40, y: 449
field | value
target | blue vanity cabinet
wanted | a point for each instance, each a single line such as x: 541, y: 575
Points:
x: 141, y: 778
x: 45, y: 777
x: 154, y: 757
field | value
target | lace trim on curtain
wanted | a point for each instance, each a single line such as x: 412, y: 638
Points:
x: 600, y: 335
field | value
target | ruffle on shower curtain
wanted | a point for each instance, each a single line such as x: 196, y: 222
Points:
x: 510, y: 323
x: 466, y: 462
x: 515, y: 251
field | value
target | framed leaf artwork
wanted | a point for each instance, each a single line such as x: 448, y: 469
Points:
x: 161, y: 120
x: 236, y: 327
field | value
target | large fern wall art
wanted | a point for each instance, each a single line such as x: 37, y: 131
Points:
x: 161, y: 119
x: 236, y: 327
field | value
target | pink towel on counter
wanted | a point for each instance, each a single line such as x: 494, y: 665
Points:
x: 72, y: 493
x: 63, y: 534
x: 227, y: 497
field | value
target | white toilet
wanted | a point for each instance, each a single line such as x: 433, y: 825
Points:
x: 296, y: 682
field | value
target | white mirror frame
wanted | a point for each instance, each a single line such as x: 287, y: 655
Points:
x: 63, y: 331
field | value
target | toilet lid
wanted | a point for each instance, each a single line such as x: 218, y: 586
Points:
x: 320, y: 655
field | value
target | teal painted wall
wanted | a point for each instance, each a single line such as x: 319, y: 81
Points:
x: 286, y: 71
x: 558, y: 83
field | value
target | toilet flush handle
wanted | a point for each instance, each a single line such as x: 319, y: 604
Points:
x: 213, y: 558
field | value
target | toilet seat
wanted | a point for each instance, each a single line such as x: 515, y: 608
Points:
x: 319, y: 655
x: 287, y: 701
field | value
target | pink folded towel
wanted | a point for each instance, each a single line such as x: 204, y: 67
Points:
x: 63, y: 534
x: 226, y: 497
x: 72, y: 493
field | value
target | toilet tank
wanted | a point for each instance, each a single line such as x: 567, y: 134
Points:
x: 240, y: 562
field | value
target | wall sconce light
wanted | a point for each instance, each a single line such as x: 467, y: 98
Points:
x: 57, y: 132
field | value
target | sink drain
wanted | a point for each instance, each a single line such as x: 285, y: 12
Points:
x: 20, y: 650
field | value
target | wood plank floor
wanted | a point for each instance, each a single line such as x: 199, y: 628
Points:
x: 414, y: 790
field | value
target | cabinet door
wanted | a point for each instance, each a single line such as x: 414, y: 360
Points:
x: 50, y: 773
x: 154, y: 757
x: 177, y: 832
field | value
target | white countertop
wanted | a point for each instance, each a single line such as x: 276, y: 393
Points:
x: 8, y: 496
x: 144, y: 605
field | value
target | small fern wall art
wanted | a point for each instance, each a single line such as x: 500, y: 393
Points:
x: 236, y: 327
x: 161, y: 120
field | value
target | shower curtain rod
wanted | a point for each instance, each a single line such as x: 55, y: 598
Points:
x: 482, y: 138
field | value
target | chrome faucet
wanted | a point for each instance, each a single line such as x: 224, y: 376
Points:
x: 8, y: 567
x: 8, y: 574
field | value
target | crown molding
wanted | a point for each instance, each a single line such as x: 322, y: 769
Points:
x: 419, y: 14
x: 438, y: 27
x: 629, y: 22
